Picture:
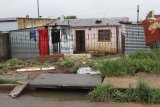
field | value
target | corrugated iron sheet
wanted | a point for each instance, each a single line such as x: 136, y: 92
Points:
x: 134, y: 38
x: 22, y: 46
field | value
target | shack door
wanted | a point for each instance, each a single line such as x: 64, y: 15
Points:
x: 80, y: 41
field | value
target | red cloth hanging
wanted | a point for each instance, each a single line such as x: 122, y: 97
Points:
x: 152, y: 36
x: 43, y: 42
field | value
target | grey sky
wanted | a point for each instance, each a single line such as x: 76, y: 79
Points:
x: 81, y: 8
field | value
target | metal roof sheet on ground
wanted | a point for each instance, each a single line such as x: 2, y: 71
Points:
x: 92, y: 21
x: 66, y: 81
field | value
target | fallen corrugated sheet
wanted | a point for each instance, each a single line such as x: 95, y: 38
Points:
x: 66, y: 81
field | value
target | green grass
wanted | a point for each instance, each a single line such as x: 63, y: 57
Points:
x: 143, y: 61
x: 3, y: 81
x: 14, y: 61
x: 71, y: 65
x: 11, y: 62
x: 101, y: 93
x: 68, y: 63
x: 143, y: 93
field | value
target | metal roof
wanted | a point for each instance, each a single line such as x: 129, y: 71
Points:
x: 92, y: 22
x: 8, y: 26
x: 8, y: 19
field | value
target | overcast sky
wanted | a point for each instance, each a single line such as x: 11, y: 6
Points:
x: 80, y: 8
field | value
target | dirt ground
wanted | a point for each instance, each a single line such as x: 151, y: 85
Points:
x: 29, y: 101
x: 123, y: 82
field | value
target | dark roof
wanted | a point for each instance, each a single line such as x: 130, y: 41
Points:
x: 156, y: 16
x: 92, y: 22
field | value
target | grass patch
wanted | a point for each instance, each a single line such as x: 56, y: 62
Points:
x: 101, y: 93
x: 8, y: 64
x: 70, y: 65
x: 143, y: 93
x: 38, y: 63
x: 4, y: 81
x: 141, y: 61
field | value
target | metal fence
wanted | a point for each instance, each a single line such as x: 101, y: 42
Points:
x: 4, y: 46
x: 97, y: 41
x: 134, y: 38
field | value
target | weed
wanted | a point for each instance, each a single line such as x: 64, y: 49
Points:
x: 68, y: 63
x: 7, y: 65
x: 101, y: 93
x: 143, y: 93
x: 141, y: 61
x: 14, y: 61
x: 4, y: 81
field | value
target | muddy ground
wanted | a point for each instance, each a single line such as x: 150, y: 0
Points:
x: 54, y: 98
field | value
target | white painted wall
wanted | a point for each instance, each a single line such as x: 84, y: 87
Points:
x: 92, y: 43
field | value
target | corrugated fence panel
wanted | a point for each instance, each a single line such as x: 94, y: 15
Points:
x: 22, y: 46
x: 4, y: 46
x: 134, y: 38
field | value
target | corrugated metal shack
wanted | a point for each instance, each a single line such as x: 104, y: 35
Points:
x: 96, y: 35
x: 134, y: 38
x: 23, y: 47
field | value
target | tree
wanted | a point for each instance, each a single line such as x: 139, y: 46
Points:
x: 70, y: 17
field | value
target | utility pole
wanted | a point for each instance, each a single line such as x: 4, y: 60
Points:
x: 137, y: 13
x: 38, y: 8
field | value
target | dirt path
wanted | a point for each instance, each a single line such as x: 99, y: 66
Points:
x: 124, y: 82
x: 6, y: 101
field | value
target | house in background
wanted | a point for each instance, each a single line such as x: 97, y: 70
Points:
x: 75, y: 36
x: 8, y: 24
x: 96, y: 35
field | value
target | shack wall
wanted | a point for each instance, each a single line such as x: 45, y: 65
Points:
x: 93, y: 45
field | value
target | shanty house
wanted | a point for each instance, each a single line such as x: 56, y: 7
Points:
x: 69, y: 36
x: 103, y: 35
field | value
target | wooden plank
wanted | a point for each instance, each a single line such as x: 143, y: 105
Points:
x: 35, y: 69
x: 18, y: 89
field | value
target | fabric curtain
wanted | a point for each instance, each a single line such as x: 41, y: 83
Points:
x: 43, y: 42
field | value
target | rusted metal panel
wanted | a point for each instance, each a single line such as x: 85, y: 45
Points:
x: 33, y: 22
x: 4, y: 46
